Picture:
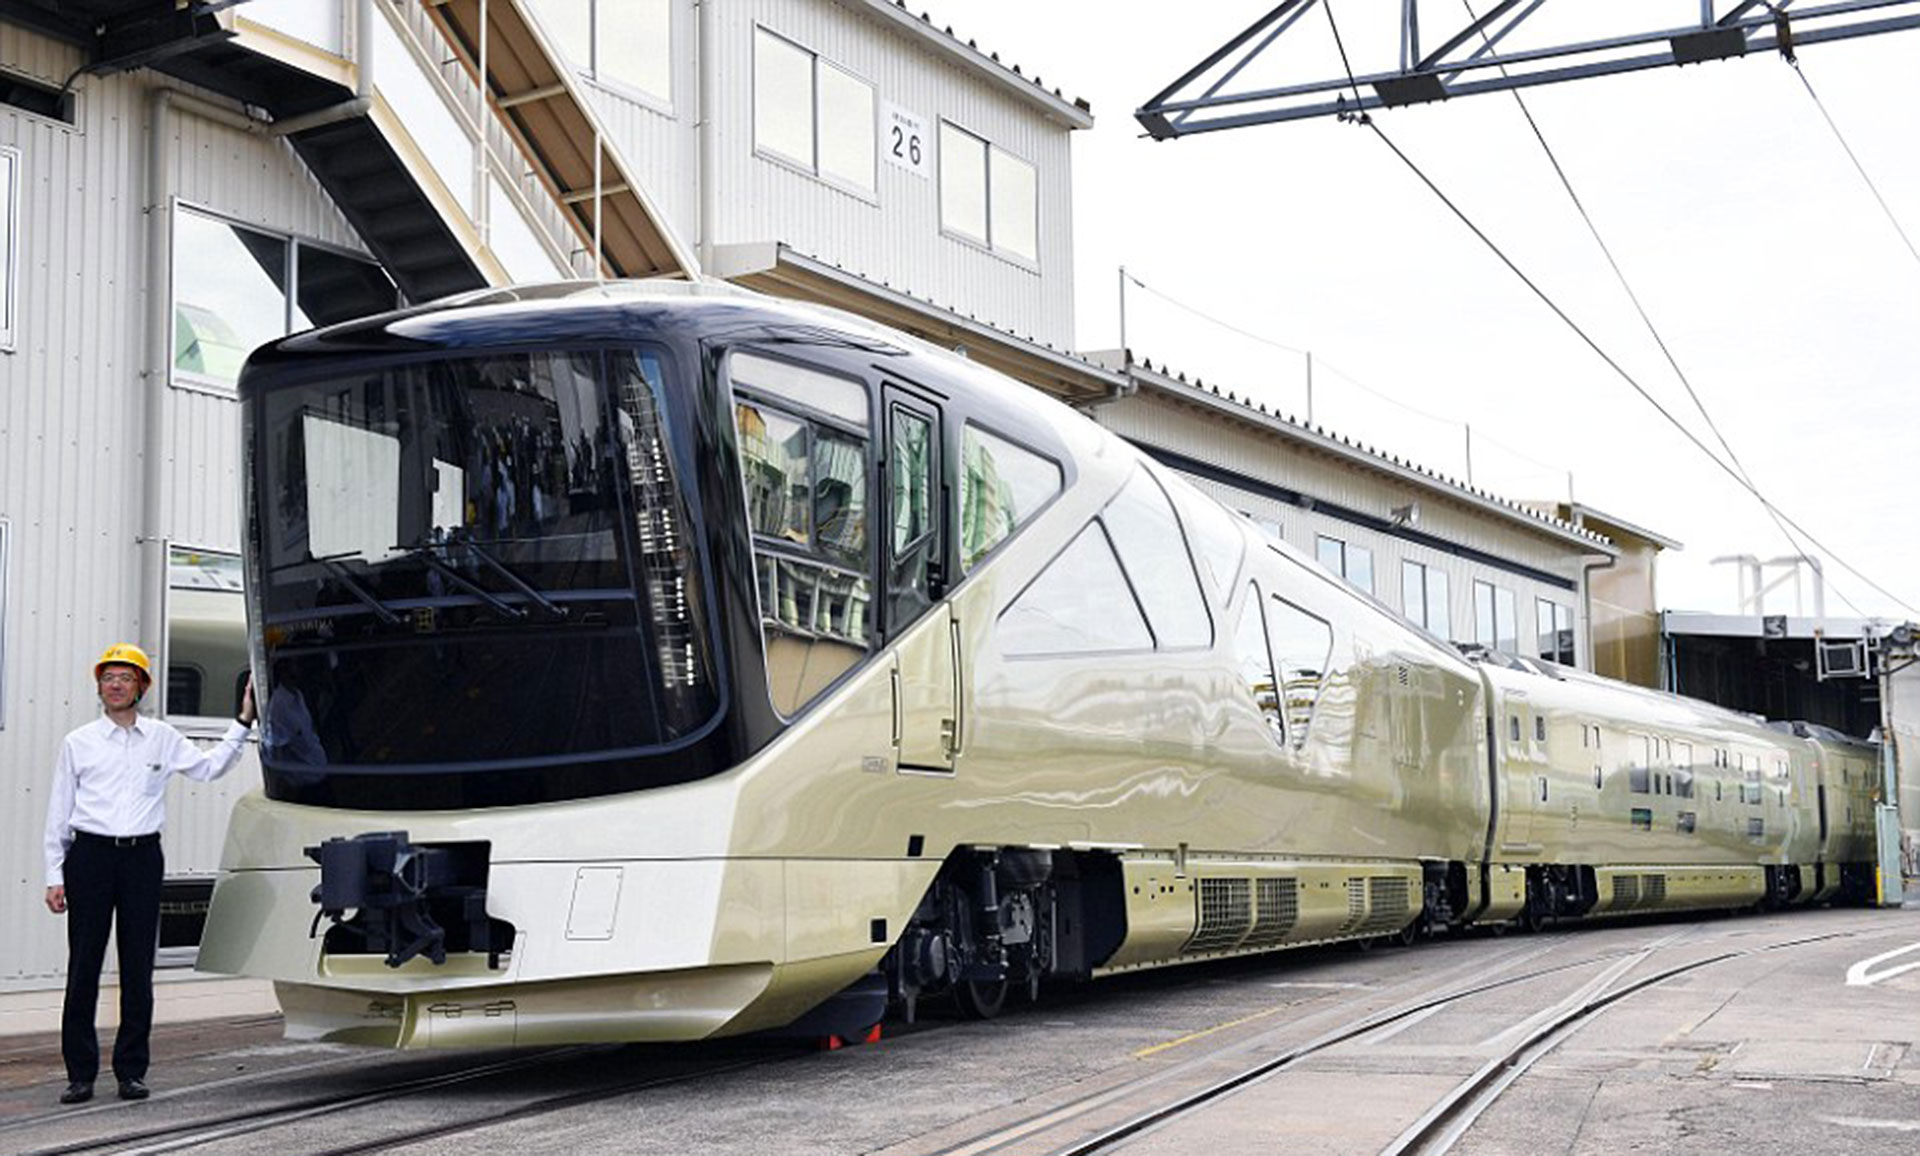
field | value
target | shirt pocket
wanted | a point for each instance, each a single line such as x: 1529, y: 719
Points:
x: 153, y: 779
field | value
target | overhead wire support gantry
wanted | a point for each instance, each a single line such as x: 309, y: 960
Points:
x: 1470, y: 59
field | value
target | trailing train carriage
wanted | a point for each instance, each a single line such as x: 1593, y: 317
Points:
x: 1619, y: 799
x: 665, y: 662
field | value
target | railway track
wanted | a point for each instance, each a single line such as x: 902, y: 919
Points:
x: 1435, y: 1131
x: 198, y: 1132
x: 1110, y: 1111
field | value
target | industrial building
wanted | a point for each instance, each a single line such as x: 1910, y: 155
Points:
x: 182, y: 181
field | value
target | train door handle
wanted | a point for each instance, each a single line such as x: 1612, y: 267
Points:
x: 898, y: 707
x: 953, y: 727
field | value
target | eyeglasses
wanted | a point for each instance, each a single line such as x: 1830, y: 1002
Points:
x: 119, y: 678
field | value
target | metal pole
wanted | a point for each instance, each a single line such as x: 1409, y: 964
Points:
x: 1309, y: 387
x: 481, y: 202
x: 1126, y: 354
x: 599, y: 270
x: 1469, y: 430
x: 1888, y: 868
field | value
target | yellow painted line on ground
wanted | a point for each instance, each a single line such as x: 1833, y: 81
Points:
x: 1203, y: 1033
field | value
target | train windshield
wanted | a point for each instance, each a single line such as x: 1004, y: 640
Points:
x: 475, y: 562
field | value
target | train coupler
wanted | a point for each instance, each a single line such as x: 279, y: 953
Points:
x: 406, y: 900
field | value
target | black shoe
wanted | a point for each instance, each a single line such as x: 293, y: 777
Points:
x: 132, y: 1090
x: 77, y: 1093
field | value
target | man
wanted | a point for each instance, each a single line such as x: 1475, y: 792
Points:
x: 104, y: 863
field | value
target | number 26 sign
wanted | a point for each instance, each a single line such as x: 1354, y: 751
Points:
x: 904, y: 142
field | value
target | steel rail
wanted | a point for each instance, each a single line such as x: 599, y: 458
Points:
x: 538, y: 1107
x: 204, y: 1129
x: 1443, y: 1124
x: 1002, y: 1137
x: 1489, y: 1077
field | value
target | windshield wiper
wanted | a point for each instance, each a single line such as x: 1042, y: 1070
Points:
x: 334, y: 567
x: 426, y: 554
x: 429, y: 552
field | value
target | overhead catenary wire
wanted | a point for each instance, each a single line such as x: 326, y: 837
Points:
x: 1854, y: 157
x: 1619, y: 274
x: 1586, y: 339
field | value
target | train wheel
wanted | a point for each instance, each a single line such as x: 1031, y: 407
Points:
x: 980, y: 999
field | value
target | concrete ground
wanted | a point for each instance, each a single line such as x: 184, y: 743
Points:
x: 1769, y: 1050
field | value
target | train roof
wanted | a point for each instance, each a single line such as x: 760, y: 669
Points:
x: 1703, y: 711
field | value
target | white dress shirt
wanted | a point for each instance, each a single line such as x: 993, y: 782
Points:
x: 112, y: 780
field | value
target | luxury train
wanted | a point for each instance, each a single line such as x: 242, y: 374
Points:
x: 659, y: 662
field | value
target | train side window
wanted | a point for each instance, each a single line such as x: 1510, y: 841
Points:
x: 1683, y: 773
x: 803, y: 439
x: 1640, y: 772
x: 1002, y: 485
x: 1541, y: 780
x: 1686, y: 822
x: 1080, y: 604
x: 1756, y: 829
x: 1642, y: 819
x: 1540, y: 728
x: 913, y: 478
x: 1218, y: 544
x: 916, y: 546
x: 1597, y: 777
x: 1255, y: 661
x: 1145, y: 532
x: 1302, y: 648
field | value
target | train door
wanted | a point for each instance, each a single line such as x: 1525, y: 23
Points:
x: 1524, y: 781
x: 926, y: 669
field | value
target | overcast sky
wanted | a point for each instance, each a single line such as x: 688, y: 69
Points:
x: 1780, y: 286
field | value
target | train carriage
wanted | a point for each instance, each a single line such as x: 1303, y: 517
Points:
x: 659, y: 662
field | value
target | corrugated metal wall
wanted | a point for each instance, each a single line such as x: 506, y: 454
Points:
x: 71, y: 443
x: 896, y: 238
x: 1154, y: 420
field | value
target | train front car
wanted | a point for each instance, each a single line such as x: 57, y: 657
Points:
x: 495, y: 634
x: 654, y: 664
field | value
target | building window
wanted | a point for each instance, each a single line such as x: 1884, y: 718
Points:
x: 988, y: 195
x: 1495, y: 619
x: 627, y: 43
x: 236, y: 288
x: 1423, y: 594
x: 206, y: 634
x: 9, y: 229
x: 1556, y: 631
x: 812, y: 113
x: 1354, y: 563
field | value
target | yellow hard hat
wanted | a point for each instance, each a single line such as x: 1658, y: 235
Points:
x: 125, y: 654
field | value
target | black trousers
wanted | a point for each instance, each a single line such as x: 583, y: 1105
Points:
x: 110, y: 884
